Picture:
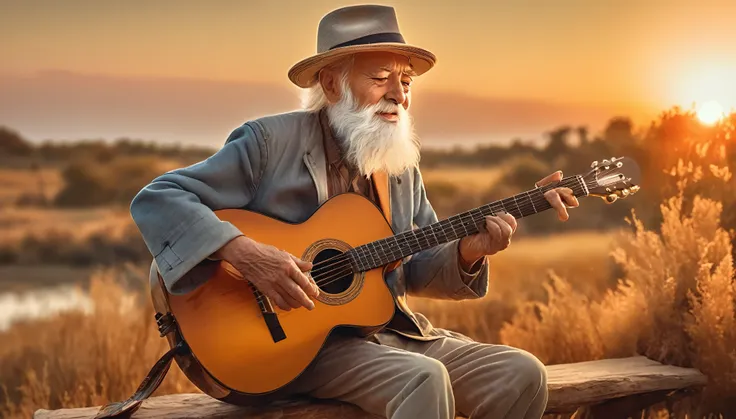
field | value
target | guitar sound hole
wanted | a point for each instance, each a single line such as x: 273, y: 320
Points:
x: 334, y: 276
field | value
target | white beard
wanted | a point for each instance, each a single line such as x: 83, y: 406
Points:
x: 370, y: 143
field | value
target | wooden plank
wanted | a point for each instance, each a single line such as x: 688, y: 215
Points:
x: 584, y: 383
x: 203, y: 406
x: 570, y: 386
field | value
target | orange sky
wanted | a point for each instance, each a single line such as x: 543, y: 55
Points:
x: 629, y: 56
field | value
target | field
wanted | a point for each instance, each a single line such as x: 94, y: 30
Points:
x: 655, y: 278
x: 60, y: 342
x: 16, y: 183
x: 466, y: 178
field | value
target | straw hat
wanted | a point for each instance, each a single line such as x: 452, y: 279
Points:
x: 355, y: 29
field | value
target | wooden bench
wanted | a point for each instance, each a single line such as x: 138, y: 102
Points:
x: 613, y: 387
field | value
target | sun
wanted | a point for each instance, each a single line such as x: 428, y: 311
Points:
x: 710, y: 112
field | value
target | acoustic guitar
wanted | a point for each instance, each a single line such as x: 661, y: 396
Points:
x: 241, y: 346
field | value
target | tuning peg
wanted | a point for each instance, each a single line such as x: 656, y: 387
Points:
x: 594, y: 164
x: 605, y: 162
x: 625, y: 191
x: 611, y: 198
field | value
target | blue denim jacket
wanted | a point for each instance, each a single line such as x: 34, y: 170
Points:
x: 275, y: 165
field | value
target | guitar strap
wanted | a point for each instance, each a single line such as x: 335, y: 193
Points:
x: 380, y: 181
x: 150, y: 383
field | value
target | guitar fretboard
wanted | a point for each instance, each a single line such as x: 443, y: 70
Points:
x: 381, y: 252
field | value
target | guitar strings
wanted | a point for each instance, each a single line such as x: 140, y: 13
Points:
x: 382, y: 253
x: 342, y: 269
x: 319, y: 266
x: 332, y: 275
x: 327, y: 263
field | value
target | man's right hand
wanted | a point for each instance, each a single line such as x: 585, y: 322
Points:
x: 276, y: 273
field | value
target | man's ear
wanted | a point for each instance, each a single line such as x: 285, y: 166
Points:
x: 330, y: 84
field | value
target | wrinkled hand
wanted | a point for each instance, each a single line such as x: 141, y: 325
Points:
x: 493, y: 237
x: 496, y: 234
x: 276, y: 273
x: 558, y: 197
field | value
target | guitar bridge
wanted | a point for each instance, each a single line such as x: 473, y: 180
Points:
x: 269, y: 316
x: 274, y: 326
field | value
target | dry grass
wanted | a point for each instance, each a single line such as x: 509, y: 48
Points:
x: 18, y: 223
x: 80, y: 360
x: 517, y: 276
x: 16, y: 182
x: 675, y: 303
x: 24, y: 278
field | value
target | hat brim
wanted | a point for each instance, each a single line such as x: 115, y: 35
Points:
x: 303, y: 73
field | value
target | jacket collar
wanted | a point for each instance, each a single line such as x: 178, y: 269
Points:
x: 314, y: 157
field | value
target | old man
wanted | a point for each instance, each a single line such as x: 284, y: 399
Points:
x: 355, y: 123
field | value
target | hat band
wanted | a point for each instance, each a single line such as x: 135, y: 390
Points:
x: 373, y: 39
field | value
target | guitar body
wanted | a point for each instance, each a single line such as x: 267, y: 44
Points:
x: 223, y: 324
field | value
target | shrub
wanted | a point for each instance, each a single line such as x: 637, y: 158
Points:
x: 674, y: 304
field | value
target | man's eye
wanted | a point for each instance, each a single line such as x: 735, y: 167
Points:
x: 380, y: 78
x: 406, y: 83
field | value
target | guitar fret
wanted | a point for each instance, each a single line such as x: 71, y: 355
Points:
x: 384, y: 255
x: 528, y: 195
x: 414, y: 233
x: 452, y: 227
x: 395, y: 247
x: 462, y: 223
x: 426, y: 237
x: 431, y: 230
x: 359, y: 259
x: 398, y: 245
x: 374, y: 254
x: 517, y: 208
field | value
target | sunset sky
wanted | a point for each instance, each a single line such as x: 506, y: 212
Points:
x: 593, y: 58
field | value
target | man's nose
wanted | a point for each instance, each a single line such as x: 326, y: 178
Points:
x: 396, y: 93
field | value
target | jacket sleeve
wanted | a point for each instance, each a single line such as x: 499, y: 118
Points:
x: 174, y: 213
x: 437, y: 272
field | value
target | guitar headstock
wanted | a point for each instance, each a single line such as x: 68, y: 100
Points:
x: 612, y: 179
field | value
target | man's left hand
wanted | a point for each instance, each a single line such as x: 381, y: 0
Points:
x: 496, y: 236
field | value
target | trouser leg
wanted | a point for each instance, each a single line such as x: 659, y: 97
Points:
x: 488, y: 381
x: 380, y: 379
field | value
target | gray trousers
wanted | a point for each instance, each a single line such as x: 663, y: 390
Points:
x: 403, y: 378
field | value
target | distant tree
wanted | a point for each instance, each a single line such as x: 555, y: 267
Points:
x: 90, y: 183
x: 620, y: 130
x: 583, y: 135
x: 84, y: 186
x: 558, y: 144
x: 12, y: 143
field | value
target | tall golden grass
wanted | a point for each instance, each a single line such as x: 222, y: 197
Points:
x: 675, y: 302
x: 77, y: 359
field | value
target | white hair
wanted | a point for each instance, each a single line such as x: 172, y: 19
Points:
x: 313, y: 98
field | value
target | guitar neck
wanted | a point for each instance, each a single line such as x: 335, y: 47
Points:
x: 381, y: 252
